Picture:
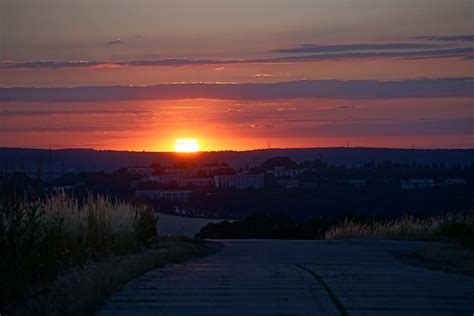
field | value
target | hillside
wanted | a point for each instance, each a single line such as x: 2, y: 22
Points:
x: 96, y: 160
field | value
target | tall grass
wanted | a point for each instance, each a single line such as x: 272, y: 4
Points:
x: 459, y: 226
x: 42, y: 237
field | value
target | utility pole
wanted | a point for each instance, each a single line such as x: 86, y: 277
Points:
x: 49, y: 159
x: 22, y: 166
x: 39, y: 167
x: 5, y: 166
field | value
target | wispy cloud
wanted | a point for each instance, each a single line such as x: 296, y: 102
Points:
x: 352, y: 128
x: 448, y: 38
x: 94, y: 64
x: 272, y: 75
x: 465, y: 52
x: 418, y: 54
x: 76, y: 128
x: 8, y: 113
x: 292, y: 128
x: 341, y: 89
x: 316, y: 48
x: 234, y: 110
x: 338, y: 107
x: 114, y: 42
x: 286, y: 109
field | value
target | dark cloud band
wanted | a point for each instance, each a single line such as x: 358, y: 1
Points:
x: 449, y: 38
x: 315, y: 48
x: 339, y: 89
x: 464, y: 52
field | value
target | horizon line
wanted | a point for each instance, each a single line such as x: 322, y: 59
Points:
x: 229, y: 150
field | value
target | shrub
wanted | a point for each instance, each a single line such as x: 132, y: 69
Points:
x: 464, y: 232
x: 407, y: 227
x: 41, y: 237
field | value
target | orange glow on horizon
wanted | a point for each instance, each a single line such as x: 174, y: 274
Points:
x: 154, y: 125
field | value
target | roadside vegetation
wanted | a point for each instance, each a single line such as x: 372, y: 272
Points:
x: 451, y: 246
x: 454, y: 251
x: 456, y: 227
x: 63, y: 256
x: 448, y: 257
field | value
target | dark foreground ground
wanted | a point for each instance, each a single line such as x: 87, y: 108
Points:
x: 272, y: 277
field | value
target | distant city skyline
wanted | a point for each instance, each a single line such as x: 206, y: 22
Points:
x: 378, y: 73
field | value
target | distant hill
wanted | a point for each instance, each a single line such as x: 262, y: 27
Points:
x: 96, y: 160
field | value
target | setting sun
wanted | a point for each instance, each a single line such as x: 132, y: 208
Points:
x: 186, y: 145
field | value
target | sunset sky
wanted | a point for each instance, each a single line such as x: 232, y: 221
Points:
x: 136, y: 75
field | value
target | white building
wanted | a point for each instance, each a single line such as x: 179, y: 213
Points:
x: 143, y: 171
x: 359, y: 183
x: 455, y: 181
x: 240, y: 181
x: 181, y: 172
x: 192, y: 171
x: 169, y: 179
x: 288, y: 183
x: 197, y: 182
x: 280, y: 172
x: 168, y: 195
x: 415, y: 184
x: 164, y: 179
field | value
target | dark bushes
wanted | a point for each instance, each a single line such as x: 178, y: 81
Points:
x: 42, y: 237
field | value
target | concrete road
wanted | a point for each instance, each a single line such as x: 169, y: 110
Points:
x: 272, y: 277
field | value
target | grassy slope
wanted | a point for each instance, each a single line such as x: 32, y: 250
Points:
x: 83, y: 291
x: 442, y: 257
x: 454, y: 257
